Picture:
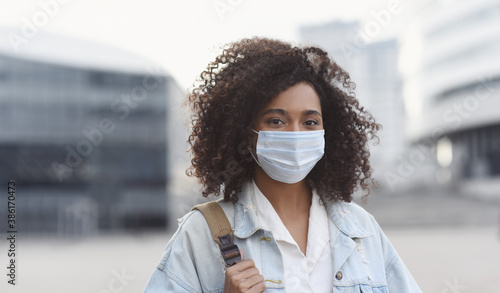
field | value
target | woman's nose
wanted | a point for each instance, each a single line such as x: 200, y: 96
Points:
x: 294, y: 127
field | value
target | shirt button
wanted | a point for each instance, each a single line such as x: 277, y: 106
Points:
x: 338, y: 275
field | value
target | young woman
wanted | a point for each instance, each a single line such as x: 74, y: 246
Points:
x: 280, y: 135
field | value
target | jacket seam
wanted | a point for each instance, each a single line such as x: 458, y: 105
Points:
x: 391, y: 266
x: 177, y: 280
x: 353, y: 283
x: 165, y: 259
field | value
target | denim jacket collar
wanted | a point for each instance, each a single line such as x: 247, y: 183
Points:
x: 340, y: 214
x: 247, y: 223
x: 344, y: 228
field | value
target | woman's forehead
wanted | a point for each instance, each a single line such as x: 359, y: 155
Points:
x: 297, y: 98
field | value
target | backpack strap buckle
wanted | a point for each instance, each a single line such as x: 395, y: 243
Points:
x: 229, y: 250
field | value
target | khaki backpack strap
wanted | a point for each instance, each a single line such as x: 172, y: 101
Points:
x: 216, y: 219
x: 221, y: 230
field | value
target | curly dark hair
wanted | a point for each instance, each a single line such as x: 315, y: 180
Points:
x: 241, y: 82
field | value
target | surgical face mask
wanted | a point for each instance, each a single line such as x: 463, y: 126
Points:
x: 288, y: 156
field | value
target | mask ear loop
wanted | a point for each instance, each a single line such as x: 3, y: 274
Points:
x: 250, y: 149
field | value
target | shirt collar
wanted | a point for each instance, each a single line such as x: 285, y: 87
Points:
x: 268, y: 218
x: 247, y: 222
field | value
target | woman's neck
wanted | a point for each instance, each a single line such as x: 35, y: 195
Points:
x: 286, y: 199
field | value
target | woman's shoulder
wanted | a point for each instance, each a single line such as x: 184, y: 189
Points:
x: 352, y: 217
x: 188, y: 254
x: 352, y: 208
x: 194, y: 221
x: 193, y: 227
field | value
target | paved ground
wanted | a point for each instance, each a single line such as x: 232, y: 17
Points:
x: 452, y: 259
x: 449, y: 243
x: 430, y: 208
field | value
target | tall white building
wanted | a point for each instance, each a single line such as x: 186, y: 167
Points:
x: 373, y: 67
x: 450, y: 61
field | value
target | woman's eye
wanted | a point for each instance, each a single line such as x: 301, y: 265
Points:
x: 275, y: 121
x: 311, y: 122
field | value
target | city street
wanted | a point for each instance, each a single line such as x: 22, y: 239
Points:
x: 115, y: 114
x: 450, y: 244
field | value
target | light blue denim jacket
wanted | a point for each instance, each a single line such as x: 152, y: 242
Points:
x: 192, y: 261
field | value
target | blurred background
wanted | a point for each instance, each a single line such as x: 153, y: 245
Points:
x: 93, y: 128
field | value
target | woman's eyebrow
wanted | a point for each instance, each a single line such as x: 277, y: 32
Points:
x: 311, y: 112
x: 275, y: 111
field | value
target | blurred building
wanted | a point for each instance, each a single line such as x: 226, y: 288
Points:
x: 83, y: 132
x: 372, y: 65
x: 450, y: 60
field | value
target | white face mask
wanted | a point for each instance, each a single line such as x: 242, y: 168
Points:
x: 288, y: 156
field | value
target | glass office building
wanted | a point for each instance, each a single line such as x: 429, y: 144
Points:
x: 86, y: 141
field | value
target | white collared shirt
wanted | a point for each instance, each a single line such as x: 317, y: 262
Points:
x: 312, y: 272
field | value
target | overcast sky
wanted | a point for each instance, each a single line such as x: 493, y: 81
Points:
x: 183, y: 36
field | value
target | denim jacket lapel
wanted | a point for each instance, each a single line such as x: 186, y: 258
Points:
x: 246, y: 222
x: 343, y: 228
